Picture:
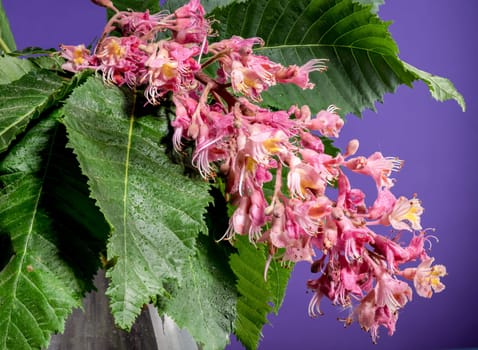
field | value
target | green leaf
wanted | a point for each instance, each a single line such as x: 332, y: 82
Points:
x: 49, y: 59
x: 208, y: 5
x: 50, y: 62
x: 37, y: 287
x: 137, y: 5
x: 68, y: 200
x: 329, y: 147
x: 13, y: 68
x: 375, y: 4
x: 362, y: 56
x: 205, y: 305
x: 7, y: 43
x: 278, y: 277
x: 154, y: 211
x: 256, y: 294
x: 24, y: 99
x: 441, y: 89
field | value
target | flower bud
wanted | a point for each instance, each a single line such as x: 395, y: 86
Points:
x: 105, y: 3
x: 352, y: 148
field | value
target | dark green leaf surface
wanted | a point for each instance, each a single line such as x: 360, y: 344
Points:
x: 24, y: 99
x: 67, y: 199
x: 256, y: 294
x: 154, y: 211
x: 208, y: 5
x: 205, y: 304
x: 137, y: 5
x: 13, y: 68
x: 362, y: 57
x: 7, y: 43
x: 37, y: 287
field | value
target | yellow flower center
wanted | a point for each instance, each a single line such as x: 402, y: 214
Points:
x: 78, y: 56
x: 114, y: 49
x: 250, y: 164
x: 272, y: 145
x: 169, y: 70
x: 414, y: 212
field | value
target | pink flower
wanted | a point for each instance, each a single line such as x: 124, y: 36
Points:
x: 249, y: 216
x: 190, y: 26
x: 303, y: 179
x: 251, y: 74
x: 371, y: 316
x: 393, y: 252
x: 121, y: 60
x: 277, y: 234
x: 311, y: 142
x: 140, y: 24
x: 170, y: 67
x: 78, y: 58
x: 299, y: 250
x: 300, y: 75
x: 366, y: 311
x: 185, y: 107
x: 376, y: 166
x: 239, y: 221
x: 327, y: 122
x: 426, y: 278
x: 381, y: 305
x: 353, y: 236
x: 326, y: 166
x: 406, y: 209
x: 391, y: 292
x: 325, y: 285
x: 234, y: 49
x: 246, y: 81
x: 382, y: 207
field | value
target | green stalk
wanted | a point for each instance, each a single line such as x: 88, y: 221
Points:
x: 4, y: 47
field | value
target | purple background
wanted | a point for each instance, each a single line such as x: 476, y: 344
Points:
x: 436, y: 140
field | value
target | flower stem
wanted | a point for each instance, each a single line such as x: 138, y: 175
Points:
x: 220, y: 89
x: 4, y: 47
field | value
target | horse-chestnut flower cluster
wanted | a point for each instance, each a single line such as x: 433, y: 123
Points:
x: 252, y: 147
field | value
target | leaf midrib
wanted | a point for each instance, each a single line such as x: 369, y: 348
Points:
x: 305, y: 46
x: 125, y: 200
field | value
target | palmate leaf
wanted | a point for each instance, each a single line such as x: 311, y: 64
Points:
x: 24, y: 99
x: 154, y: 211
x: 256, y: 294
x: 206, y: 304
x: 362, y: 57
x: 38, y: 288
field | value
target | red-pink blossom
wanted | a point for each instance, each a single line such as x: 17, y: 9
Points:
x: 78, y: 58
x: 327, y: 122
x: 284, y: 191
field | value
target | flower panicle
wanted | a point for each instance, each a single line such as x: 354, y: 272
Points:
x: 254, y: 148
